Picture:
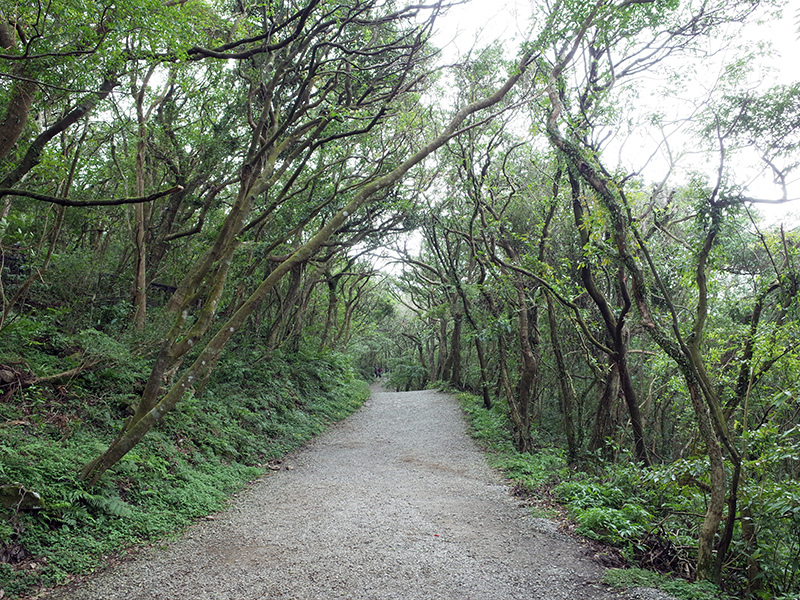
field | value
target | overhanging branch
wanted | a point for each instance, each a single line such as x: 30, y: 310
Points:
x: 83, y: 203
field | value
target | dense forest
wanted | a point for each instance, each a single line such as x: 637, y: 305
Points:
x: 218, y: 217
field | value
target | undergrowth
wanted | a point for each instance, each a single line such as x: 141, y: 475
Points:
x: 679, y: 588
x: 250, y: 412
x: 617, y: 504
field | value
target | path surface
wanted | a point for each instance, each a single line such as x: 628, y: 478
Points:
x: 395, y: 502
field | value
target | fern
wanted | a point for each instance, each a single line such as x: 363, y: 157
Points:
x: 108, y: 504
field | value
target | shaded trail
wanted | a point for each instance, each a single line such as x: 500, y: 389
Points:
x: 394, y: 502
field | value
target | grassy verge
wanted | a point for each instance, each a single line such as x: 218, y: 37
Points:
x: 614, y: 504
x: 250, y: 413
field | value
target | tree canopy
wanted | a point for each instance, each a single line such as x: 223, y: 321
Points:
x: 193, y: 180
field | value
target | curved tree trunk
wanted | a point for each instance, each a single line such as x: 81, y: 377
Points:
x: 716, y: 501
x: 33, y: 155
x: 16, y: 115
x: 615, y: 324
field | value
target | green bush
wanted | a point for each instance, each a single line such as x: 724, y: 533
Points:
x: 407, y: 376
x: 619, y: 527
x: 620, y: 504
x: 534, y: 471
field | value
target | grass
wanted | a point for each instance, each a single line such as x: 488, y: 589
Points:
x: 250, y: 412
x: 679, y: 588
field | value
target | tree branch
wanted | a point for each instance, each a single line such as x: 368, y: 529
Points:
x: 83, y: 203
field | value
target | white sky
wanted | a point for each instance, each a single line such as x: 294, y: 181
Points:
x: 483, y: 21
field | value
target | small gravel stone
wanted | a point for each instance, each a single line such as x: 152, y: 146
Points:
x: 396, y: 502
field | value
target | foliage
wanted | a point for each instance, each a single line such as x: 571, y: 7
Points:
x: 614, y: 506
x: 406, y: 375
x: 490, y: 427
x: 682, y: 590
x: 593, y: 311
x: 621, y: 505
x: 186, y: 469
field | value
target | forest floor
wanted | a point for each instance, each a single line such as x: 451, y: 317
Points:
x: 394, y: 502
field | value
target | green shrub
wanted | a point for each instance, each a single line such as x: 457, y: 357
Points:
x: 618, y: 527
x: 406, y: 375
x: 490, y: 427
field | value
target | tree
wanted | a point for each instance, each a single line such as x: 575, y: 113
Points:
x: 683, y: 345
x: 274, y: 148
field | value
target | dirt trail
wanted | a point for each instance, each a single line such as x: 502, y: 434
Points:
x: 395, y: 502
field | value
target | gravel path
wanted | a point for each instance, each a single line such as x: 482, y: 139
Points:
x: 394, y: 502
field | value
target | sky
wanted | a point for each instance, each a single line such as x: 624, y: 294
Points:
x: 478, y: 22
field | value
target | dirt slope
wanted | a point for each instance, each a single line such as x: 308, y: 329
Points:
x: 395, y: 502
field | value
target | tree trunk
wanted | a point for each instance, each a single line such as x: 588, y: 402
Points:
x: 330, y: 316
x: 140, y: 278
x: 441, y: 360
x: 295, y: 334
x: 487, y: 400
x: 213, y: 268
x: 716, y: 501
x: 22, y: 93
x: 565, y: 388
x: 16, y: 116
x: 504, y: 382
x: 755, y: 581
x: 140, y: 217
x: 430, y: 345
x: 602, y: 422
x: 455, y: 352
x: 529, y: 369
x: 615, y: 324
x: 629, y: 392
x: 34, y: 153
x: 276, y: 332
